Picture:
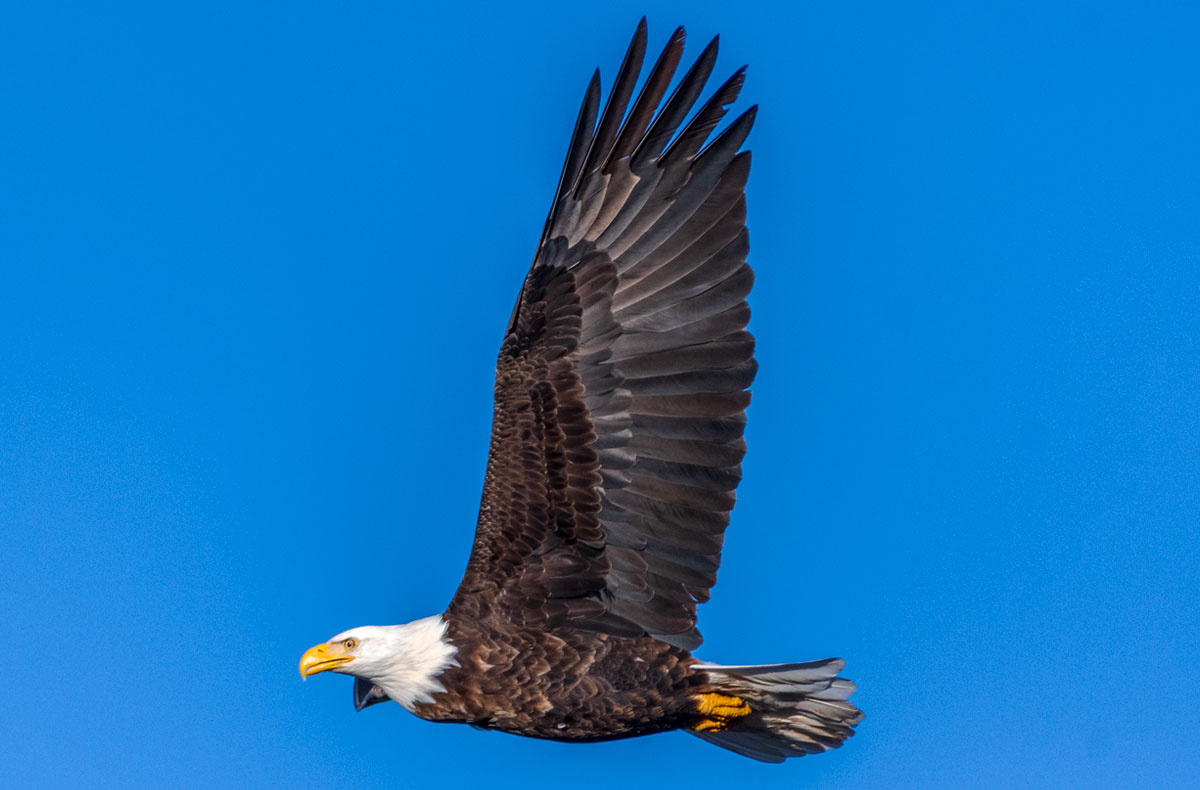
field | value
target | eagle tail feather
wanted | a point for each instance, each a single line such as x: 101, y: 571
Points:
x: 774, y: 711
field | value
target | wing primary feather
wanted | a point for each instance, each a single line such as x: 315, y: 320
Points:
x: 581, y: 138
x: 677, y: 107
x: 703, y: 122
x: 614, y: 109
x: 648, y: 100
x: 725, y: 147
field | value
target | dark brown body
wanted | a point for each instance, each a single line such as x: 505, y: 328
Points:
x: 564, y: 684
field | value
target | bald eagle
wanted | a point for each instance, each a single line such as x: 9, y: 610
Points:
x: 620, y: 397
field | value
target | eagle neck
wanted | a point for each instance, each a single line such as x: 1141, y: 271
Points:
x: 419, y: 652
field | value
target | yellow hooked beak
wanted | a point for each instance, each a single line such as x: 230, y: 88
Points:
x: 322, y: 658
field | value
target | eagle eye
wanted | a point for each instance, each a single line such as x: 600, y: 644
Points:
x: 350, y: 644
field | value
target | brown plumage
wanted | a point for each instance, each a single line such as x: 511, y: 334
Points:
x: 620, y: 396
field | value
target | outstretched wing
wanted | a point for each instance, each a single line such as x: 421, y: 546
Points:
x: 621, y: 381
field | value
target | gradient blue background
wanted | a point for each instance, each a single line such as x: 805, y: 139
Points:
x: 255, y: 265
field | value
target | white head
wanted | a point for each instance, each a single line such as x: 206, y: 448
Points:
x: 404, y: 660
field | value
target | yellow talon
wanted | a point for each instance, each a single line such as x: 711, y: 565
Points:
x: 709, y: 725
x: 719, y: 711
x: 721, y: 705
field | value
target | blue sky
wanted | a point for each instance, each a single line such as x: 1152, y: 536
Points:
x: 255, y: 265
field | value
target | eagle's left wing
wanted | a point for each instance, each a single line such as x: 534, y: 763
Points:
x: 621, y: 381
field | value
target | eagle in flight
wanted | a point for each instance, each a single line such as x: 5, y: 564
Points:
x: 620, y: 398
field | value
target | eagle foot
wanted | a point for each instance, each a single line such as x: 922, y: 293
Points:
x: 718, y: 711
